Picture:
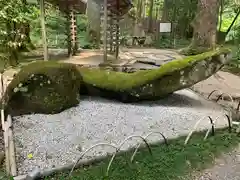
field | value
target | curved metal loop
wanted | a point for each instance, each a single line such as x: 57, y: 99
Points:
x: 164, y: 138
x: 194, y: 128
x: 229, y: 123
x: 213, y: 122
x: 213, y: 93
x: 221, y: 96
x: 212, y: 128
x: 238, y: 106
x: 96, y: 145
x: 229, y: 117
x: 119, y: 147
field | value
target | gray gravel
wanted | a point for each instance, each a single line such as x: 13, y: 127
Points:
x: 226, y: 168
x: 59, y: 139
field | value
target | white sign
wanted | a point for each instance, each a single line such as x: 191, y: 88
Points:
x: 32, y: 1
x: 165, y: 27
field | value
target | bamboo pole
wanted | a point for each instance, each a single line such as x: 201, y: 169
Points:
x: 73, y: 29
x: 5, y: 129
x: 3, y: 100
x: 12, y: 158
x: 117, y: 30
x: 105, y: 29
x: 68, y: 30
x: 6, y: 145
x: 43, y: 26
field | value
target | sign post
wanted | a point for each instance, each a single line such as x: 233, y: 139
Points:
x: 167, y: 27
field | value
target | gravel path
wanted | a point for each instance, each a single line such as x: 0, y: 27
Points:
x: 226, y: 168
x: 56, y: 140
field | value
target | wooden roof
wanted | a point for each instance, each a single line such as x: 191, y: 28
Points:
x: 120, y: 7
x: 64, y: 5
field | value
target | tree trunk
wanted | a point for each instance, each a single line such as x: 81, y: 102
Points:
x: 165, y: 11
x: 25, y: 30
x: 144, y: 9
x: 94, y: 21
x: 139, y: 10
x: 150, y: 25
x: 12, y: 49
x: 221, y: 14
x: 205, y: 25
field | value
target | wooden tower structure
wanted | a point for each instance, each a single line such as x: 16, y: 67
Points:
x: 111, y: 13
x: 70, y: 9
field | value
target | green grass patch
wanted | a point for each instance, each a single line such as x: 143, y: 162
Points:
x: 173, y: 162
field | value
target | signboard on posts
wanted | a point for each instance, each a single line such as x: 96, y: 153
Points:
x: 165, y: 27
x: 32, y: 1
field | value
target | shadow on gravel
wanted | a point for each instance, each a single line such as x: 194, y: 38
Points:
x: 173, y: 100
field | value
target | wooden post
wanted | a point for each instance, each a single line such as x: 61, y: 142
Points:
x: 43, y: 26
x: 68, y: 31
x: 111, y: 32
x: 105, y: 30
x: 12, y: 158
x: 173, y: 25
x: 6, y: 144
x: 117, y: 30
x: 5, y: 129
x: 73, y: 29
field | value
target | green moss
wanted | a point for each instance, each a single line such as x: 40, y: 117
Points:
x: 118, y: 81
x: 44, y: 87
x: 50, y: 87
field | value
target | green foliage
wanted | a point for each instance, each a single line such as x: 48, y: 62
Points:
x: 44, y: 87
x: 169, y: 42
x: 230, y: 10
x: 182, y: 13
x: 235, y: 61
x: 56, y: 28
x: 14, y: 14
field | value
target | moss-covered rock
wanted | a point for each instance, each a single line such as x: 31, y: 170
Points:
x: 149, y: 84
x: 50, y: 87
x: 43, y: 87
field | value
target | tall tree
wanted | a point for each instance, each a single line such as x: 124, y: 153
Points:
x: 205, y: 24
x: 205, y: 27
x: 94, y: 22
x: 165, y: 11
x: 150, y: 24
